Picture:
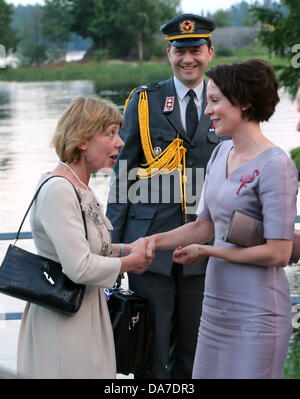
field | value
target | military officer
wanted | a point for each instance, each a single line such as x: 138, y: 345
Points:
x: 157, y: 186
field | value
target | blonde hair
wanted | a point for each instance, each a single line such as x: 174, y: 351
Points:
x: 81, y: 120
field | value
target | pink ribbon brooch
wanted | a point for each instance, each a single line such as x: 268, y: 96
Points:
x: 247, y: 178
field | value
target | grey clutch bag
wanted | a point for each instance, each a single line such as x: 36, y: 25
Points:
x: 244, y: 230
x: 247, y: 231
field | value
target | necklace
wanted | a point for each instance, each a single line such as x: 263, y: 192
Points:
x: 73, y: 173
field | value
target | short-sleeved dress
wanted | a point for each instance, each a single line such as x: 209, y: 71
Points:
x: 246, y: 318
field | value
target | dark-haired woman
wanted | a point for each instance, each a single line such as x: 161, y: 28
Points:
x: 246, y: 316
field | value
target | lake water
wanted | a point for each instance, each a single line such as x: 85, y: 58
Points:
x: 28, y: 115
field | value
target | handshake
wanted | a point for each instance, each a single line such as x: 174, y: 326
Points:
x: 140, y: 253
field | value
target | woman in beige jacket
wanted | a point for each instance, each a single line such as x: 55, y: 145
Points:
x: 53, y: 345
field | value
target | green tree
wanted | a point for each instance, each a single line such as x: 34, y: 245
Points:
x: 86, y: 13
x: 8, y: 37
x: 83, y: 13
x: 104, y: 26
x: 142, y: 20
x: 32, y: 46
x: 223, y: 18
x: 56, y: 22
x: 280, y: 33
x: 122, y: 27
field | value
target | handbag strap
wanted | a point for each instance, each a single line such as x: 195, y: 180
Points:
x: 34, y: 197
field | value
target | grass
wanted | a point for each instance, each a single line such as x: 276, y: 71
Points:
x: 116, y: 74
x: 107, y: 74
x: 292, y: 364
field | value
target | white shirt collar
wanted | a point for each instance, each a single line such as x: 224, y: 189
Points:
x: 182, y: 90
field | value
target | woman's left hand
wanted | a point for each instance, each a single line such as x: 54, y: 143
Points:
x: 189, y: 255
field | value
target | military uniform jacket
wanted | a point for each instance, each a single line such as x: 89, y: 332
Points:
x: 137, y: 208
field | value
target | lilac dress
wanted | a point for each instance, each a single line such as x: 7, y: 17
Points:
x: 246, y: 318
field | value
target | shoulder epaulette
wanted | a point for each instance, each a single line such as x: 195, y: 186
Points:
x: 148, y: 87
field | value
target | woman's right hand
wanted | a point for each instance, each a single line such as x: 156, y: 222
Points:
x: 189, y: 255
x: 140, y: 257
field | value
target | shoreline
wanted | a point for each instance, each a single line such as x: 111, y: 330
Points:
x: 117, y: 72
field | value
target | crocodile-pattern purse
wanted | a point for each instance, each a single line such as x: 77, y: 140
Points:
x: 34, y: 278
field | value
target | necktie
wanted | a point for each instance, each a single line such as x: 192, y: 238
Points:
x: 191, y: 115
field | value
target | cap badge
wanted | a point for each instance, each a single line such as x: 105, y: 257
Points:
x: 169, y: 104
x: 157, y: 151
x: 187, y: 27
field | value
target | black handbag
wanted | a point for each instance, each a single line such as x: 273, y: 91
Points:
x: 132, y: 325
x: 37, y: 279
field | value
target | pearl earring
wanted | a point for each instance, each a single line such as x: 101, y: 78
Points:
x: 85, y: 153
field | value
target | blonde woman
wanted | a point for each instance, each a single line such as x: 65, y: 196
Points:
x: 52, y: 345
